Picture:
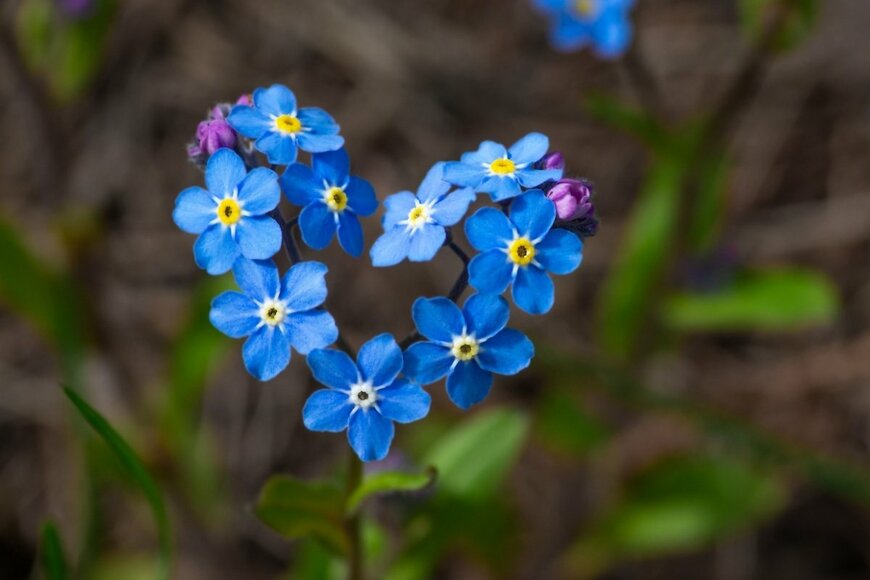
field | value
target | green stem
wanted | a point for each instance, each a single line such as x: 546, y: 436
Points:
x: 352, y: 524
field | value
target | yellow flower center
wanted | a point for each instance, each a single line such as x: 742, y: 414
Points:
x: 465, y: 347
x: 288, y: 124
x: 335, y: 199
x: 502, y: 167
x: 585, y: 8
x: 521, y: 251
x: 273, y: 313
x: 229, y: 212
x: 418, y: 216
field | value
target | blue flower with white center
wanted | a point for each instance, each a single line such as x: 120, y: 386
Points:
x: 332, y: 200
x: 279, y: 129
x: 363, y: 397
x: 275, y: 314
x: 230, y: 216
x: 414, y: 225
x: 578, y: 23
x: 501, y: 172
x: 521, y: 250
x: 467, y: 346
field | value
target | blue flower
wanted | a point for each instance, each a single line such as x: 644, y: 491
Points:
x: 275, y: 314
x: 577, y: 23
x: 503, y: 172
x: 279, y: 128
x: 363, y: 397
x: 230, y: 217
x: 414, y: 225
x: 332, y: 200
x: 521, y: 250
x: 467, y: 346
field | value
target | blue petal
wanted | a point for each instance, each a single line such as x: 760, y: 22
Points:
x: 570, y: 34
x: 249, y: 121
x: 426, y: 362
x: 468, y: 384
x: 488, y: 229
x: 485, y: 315
x: 332, y: 167
x: 300, y: 185
x: 234, y: 314
x: 612, y: 34
x: 438, y: 319
x: 560, y: 252
x: 490, y: 272
x: 398, y: 206
x: 304, y: 286
x: 552, y: 5
x: 403, y: 402
x: 194, y: 210
x: 433, y: 185
x: 506, y: 353
x: 380, y: 360
x: 215, y: 250
x: 266, y: 353
x: 533, y: 214
x: 333, y: 368
x: 463, y: 174
x: 317, y: 143
x: 529, y: 149
x: 259, y: 280
x: 426, y: 242
x: 310, y: 329
x: 350, y: 234
x: 533, y: 290
x: 370, y: 434
x: 361, y: 196
x: 276, y: 100
x: 452, y: 208
x: 486, y: 153
x: 223, y: 172
x: 535, y: 177
x: 327, y: 410
x: 316, y: 120
x: 259, y: 192
x: 391, y: 248
x: 317, y: 225
x: 501, y: 188
x: 259, y: 237
x: 279, y: 149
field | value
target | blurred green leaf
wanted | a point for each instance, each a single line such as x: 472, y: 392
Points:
x: 641, y: 124
x: 705, y: 225
x: 297, y: 509
x: 798, y: 20
x: 763, y: 300
x: 135, y: 469
x: 389, y: 482
x: 51, y: 554
x: 123, y: 567
x: 473, y: 459
x: 564, y: 425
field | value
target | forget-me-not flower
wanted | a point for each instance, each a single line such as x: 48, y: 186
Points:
x: 275, y: 314
x: 231, y: 215
x: 332, y: 200
x: 521, y: 250
x: 501, y: 172
x: 363, y: 397
x: 467, y: 346
x: 279, y: 129
x: 577, y: 23
x: 414, y: 225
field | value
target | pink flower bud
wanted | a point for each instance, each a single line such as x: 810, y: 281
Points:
x: 573, y: 199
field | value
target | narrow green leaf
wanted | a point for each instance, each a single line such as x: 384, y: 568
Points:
x: 51, y: 555
x: 389, y: 482
x: 135, y: 469
x: 636, y: 122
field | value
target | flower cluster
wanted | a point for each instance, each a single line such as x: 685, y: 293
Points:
x: 575, y: 24
x: 535, y: 230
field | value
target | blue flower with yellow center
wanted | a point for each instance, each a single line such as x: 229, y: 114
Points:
x: 365, y: 397
x: 279, y: 129
x: 332, y: 199
x: 500, y: 172
x: 467, y: 346
x: 414, y: 225
x: 230, y: 215
x: 578, y: 23
x: 520, y: 250
x: 275, y: 314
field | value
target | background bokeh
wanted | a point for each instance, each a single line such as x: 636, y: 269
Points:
x: 679, y: 421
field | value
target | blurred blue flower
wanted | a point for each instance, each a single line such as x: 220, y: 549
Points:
x: 280, y: 129
x: 414, y: 225
x: 332, y: 200
x: 467, y: 346
x: 275, y: 314
x: 501, y: 172
x: 576, y: 24
x: 230, y: 216
x: 521, y: 250
x: 363, y: 397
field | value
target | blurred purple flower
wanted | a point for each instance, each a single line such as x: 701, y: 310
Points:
x: 554, y: 160
x: 574, y: 207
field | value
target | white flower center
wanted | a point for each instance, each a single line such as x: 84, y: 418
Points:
x: 273, y: 312
x: 363, y: 395
x: 465, y: 347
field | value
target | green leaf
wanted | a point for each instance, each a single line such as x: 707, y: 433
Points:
x: 473, y: 459
x: 136, y: 470
x: 760, y: 300
x: 638, y: 123
x: 797, y: 24
x: 53, y: 560
x: 562, y: 424
x: 389, y: 482
x: 297, y: 509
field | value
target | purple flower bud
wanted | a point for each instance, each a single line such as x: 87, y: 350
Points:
x: 573, y: 199
x: 553, y: 160
x: 212, y: 134
x: 246, y: 100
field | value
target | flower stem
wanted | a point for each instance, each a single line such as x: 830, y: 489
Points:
x: 352, y: 523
